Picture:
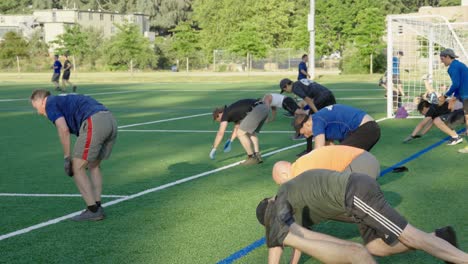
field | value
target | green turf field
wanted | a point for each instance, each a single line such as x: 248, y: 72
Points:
x: 165, y: 136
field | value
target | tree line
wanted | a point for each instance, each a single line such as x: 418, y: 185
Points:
x: 194, y: 28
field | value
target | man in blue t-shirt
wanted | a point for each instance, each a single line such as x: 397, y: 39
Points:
x: 348, y: 125
x: 458, y: 73
x: 303, y: 74
x: 56, y: 75
x: 96, y: 130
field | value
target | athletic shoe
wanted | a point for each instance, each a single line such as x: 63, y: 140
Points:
x: 276, y: 217
x: 453, y: 141
x: 463, y: 150
x: 87, y: 215
x: 448, y: 234
x: 298, y: 137
x: 74, y: 88
x: 251, y: 161
x: 259, y: 157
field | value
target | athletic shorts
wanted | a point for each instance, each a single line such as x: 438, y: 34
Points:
x: 323, y: 100
x: 465, y: 106
x: 365, y: 163
x: 366, y: 204
x: 289, y: 105
x: 454, y: 118
x: 364, y: 137
x: 254, y: 119
x: 55, y: 77
x: 66, y: 75
x: 96, y: 138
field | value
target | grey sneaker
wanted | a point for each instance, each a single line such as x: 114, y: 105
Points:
x: 87, y: 215
x: 250, y: 161
x: 454, y: 141
x: 259, y: 157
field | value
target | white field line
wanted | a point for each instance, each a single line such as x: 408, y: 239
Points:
x: 54, y: 195
x: 196, y: 131
x: 133, y: 196
x: 163, y: 120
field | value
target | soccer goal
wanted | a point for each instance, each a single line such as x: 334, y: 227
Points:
x: 414, y: 67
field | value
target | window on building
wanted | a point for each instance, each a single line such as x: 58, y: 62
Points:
x: 2, y: 20
x: 79, y: 15
x: 400, y: 29
x: 112, y: 17
x: 90, y: 16
x: 101, y: 16
x: 112, y: 29
x: 54, y: 17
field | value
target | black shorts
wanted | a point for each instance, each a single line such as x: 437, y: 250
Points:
x: 66, y: 75
x: 366, y: 204
x: 454, y: 118
x: 364, y: 137
x: 324, y: 100
x: 465, y: 106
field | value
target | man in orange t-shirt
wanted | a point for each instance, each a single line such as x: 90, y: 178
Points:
x: 334, y: 157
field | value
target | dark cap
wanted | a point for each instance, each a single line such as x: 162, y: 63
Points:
x: 448, y: 52
x: 283, y: 84
x: 261, y: 210
x: 299, y: 121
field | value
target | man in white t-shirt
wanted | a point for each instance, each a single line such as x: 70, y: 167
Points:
x: 275, y: 101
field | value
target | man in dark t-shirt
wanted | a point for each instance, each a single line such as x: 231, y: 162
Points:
x: 443, y: 116
x: 96, y: 131
x: 67, y: 65
x: 57, y: 67
x: 319, y: 195
x: 314, y: 94
x: 248, y: 116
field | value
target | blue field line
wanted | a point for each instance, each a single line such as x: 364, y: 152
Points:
x: 243, y: 252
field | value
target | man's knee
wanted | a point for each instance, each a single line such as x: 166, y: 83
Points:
x: 360, y: 254
x: 379, y: 248
x: 79, y: 164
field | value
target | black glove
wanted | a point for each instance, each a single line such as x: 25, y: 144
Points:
x: 67, y: 166
x: 410, y: 137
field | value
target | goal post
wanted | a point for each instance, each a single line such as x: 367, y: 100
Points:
x: 414, y: 43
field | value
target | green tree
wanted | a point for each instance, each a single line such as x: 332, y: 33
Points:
x: 248, y: 41
x: 184, y: 40
x: 74, y: 41
x: 367, y: 34
x: 129, y: 47
x: 12, y: 45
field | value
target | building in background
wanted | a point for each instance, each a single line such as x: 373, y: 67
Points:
x: 52, y: 22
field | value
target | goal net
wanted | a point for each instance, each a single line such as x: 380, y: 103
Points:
x: 413, y: 62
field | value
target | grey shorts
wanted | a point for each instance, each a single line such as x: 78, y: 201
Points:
x: 454, y: 118
x: 365, y: 163
x: 366, y: 204
x: 254, y: 119
x: 96, y: 138
x: 55, y: 77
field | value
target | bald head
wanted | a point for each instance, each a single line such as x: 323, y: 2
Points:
x: 282, y: 172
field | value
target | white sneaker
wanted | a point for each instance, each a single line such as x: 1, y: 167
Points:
x: 463, y: 150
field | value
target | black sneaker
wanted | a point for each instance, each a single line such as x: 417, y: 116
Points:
x: 277, y: 216
x: 448, y: 234
x: 454, y: 141
x: 74, y: 88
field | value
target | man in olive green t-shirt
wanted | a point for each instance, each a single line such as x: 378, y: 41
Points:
x: 318, y: 195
